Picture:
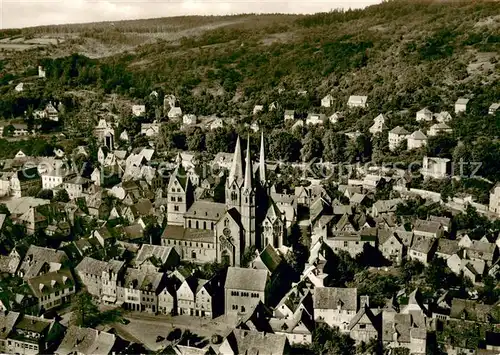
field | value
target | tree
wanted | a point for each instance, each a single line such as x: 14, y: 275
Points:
x: 311, y: 147
x: 334, y: 146
x: 8, y: 131
x: 85, y: 312
x: 61, y: 196
x: 45, y: 194
x: 33, y: 191
x: 248, y: 256
x: 196, y: 140
x: 284, y: 146
x: 331, y: 341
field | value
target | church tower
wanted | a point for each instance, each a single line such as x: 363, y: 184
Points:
x: 262, y: 163
x: 180, y: 196
x: 248, y: 202
x: 234, y: 183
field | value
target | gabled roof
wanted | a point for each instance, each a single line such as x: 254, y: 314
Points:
x: 270, y: 258
x: 254, y: 343
x: 333, y: 297
x: 418, y: 135
x: 362, y: 312
x: 246, y: 279
x: 399, y: 130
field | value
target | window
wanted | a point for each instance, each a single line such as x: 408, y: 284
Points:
x: 362, y: 326
x: 179, y: 199
x: 176, y: 208
x: 172, y: 198
x: 235, y: 307
x: 346, y: 244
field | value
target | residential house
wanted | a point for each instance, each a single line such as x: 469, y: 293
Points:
x: 298, y: 329
x: 54, y: 178
x: 208, y: 296
x: 138, y: 110
x: 493, y: 108
x: 174, y: 113
x: 436, y: 168
x: 9, y: 263
x: 77, y: 186
x: 391, y: 246
x: 51, y: 113
x: 167, y: 298
x: 186, y: 295
x: 24, y: 181
x: 351, y: 242
x: 189, y: 120
x: 439, y: 128
x: 90, y: 271
x: 289, y: 115
x: 110, y: 279
x: 244, y: 289
x: 444, y: 221
x: 86, y: 341
x: 241, y: 341
x: 430, y: 229
x: 494, y: 204
x: 461, y: 105
x: 19, y: 87
x: 396, y: 136
x: 424, y: 115
x: 422, y: 249
x: 336, y: 117
x: 139, y: 289
x: 404, y: 331
x: 385, y: 206
x: 52, y: 289
x: 416, y: 140
x: 335, y: 306
x: 33, y: 220
x: 327, y: 101
x: 364, y: 327
x: 151, y: 129
x: 39, y: 260
x: 357, y: 101
x: 27, y: 334
x: 41, y: 72
x: 216, y: 123
x: 378, y: 124
x: 482, y: 251
x: 471, y: 310
x: 315, y: 118
x: 443, y: 117
x: 298, y: 299
x: 257, y: 109
x: 157, y: 256
x: 446, y: 248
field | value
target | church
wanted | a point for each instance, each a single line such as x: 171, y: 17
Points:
x: 206, y: 231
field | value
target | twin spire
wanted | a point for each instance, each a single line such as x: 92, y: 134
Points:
x: 236, y: 172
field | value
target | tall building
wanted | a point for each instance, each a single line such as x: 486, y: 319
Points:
x: 205, y: 231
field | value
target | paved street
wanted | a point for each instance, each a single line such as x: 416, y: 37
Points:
x: 145, y: 328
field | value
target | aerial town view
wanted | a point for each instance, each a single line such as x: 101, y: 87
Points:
x: 196, y: 178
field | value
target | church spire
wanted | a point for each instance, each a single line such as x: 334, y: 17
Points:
x: 248, y: 168
x: 262, y: 161
x: 236, y: 172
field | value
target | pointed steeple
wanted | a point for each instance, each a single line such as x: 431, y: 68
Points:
x: 262, y: 161
x: 248, y: 168
x: 236, y: 172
